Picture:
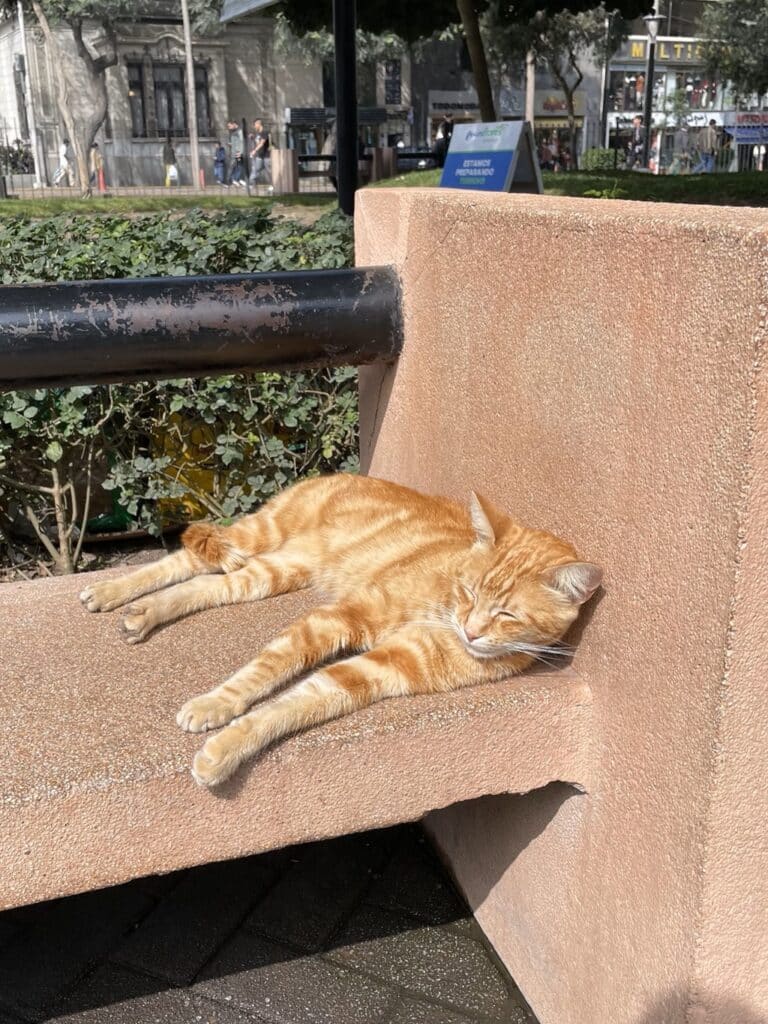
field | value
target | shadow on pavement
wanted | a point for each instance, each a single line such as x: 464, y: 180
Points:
x: 360, y: 928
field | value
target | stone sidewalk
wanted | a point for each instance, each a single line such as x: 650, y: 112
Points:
x: 364, y: 929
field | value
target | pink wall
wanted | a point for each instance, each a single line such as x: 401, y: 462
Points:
x: 595, y: 367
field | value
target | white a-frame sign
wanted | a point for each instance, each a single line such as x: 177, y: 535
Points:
x: 495, y: 156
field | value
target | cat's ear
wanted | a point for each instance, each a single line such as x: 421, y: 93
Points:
x: 577, y: 580
x: 487, y: 521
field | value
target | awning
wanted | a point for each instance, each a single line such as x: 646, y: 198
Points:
x: 232, y: 9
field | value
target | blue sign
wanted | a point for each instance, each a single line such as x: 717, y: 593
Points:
x: 492, y: 157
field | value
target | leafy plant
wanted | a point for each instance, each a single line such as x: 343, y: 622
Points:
x: 598, y: 160
x: 163, y: 452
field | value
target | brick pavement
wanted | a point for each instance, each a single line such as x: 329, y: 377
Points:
x: 364, y: 929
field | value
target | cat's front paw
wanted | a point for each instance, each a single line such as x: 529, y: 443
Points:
x: 138, y: 621
x: 206, y: 712
x: 216, y: 762
x: 103, y: 596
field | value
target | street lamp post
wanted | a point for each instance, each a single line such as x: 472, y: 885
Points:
x: 652, y: 22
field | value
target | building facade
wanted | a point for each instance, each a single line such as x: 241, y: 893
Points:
x: 238, y: 74
x: 687, y: 97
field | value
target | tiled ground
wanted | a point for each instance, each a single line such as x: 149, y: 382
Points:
x: 364, y: 929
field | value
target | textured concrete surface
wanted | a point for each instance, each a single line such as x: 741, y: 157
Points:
x: 229, y: 944
x: 598, y: 369
x: 96, y: 786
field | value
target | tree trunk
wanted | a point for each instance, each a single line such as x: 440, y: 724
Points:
x: 569, y: 102
x: 471, y: 26
x: 81, y: 91
x: 569, y: 92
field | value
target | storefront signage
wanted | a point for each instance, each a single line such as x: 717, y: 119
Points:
x: 693, y: 120
x: 462, y: 103
x: 493, y: 157
x: 669, y: 50
x: 747, y: 127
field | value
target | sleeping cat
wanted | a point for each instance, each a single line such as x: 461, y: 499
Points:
x: 423, y: 597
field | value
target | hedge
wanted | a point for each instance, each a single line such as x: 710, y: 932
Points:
x: 153, y: 454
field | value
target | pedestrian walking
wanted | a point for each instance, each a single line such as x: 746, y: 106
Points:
x: 636, y: 143
x: 220, y: 164
x: 236, y: 144
x: 443, y: 139
x: 169, y: 164
x: 62, y: 171
x: 708, y: 145
x: 95, y: 166
x: 261, y: 164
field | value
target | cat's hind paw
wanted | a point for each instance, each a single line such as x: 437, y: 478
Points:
x: 137, y: 622
x: 103, y: 596
x: 206, y: 712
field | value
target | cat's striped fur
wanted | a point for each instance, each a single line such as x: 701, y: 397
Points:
x: 422, y: 595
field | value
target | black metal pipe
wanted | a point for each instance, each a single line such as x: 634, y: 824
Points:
x: 98, y: 332
x: 345, y: 76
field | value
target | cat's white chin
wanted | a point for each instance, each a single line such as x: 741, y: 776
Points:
x: 480, y: 650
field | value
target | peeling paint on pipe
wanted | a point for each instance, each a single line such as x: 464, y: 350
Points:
x: 98, y: 332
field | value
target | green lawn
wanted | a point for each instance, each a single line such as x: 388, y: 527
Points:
x: 748, y: 189
x: 150, y: 204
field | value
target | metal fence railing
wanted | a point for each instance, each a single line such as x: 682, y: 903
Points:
x: 107, y: 331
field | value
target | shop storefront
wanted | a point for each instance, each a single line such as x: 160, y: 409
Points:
x: 551, y: 115
x: 686, y: 98
x: 552, y: 131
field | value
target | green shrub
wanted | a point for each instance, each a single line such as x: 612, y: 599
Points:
x: 598, y: 160
x: 154, y: 453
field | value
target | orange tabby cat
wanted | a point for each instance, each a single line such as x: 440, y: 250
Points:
x: 425, y: 596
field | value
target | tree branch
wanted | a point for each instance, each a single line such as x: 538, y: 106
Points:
x: 109, y: 59
x: 41, y: 535
x: 76, y: 25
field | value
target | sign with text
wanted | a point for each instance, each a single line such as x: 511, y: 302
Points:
x: 747, y: 127
x: 669, y: 50
x: 494, y: 157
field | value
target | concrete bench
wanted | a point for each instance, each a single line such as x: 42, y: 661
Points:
x: 599, y: 369
x: 96, y: 786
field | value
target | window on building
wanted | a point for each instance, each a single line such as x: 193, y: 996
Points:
x: 626, y: 90
x: 136, y: 101
x: 697, y: 90
x: 202, y: 102
x: 366, y: 84
x: 329, y: 84
x: 392, y: 83
x: 170, y: 108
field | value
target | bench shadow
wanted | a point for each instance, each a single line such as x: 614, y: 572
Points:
x: 367, y: 909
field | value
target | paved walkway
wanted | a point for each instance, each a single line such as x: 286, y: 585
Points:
x: 364, y: 929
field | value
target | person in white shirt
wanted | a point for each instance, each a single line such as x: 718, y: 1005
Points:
x: 62, y: 171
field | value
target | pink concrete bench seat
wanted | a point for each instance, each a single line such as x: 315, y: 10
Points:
x: 96, y: 786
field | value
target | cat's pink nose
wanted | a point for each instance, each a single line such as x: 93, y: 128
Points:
x: 470, y: 636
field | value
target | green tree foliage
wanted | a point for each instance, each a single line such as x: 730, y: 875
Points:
x: 154, y: 453
x: 409, y: 20
x: 736, y: 34
x: 517, y: 21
